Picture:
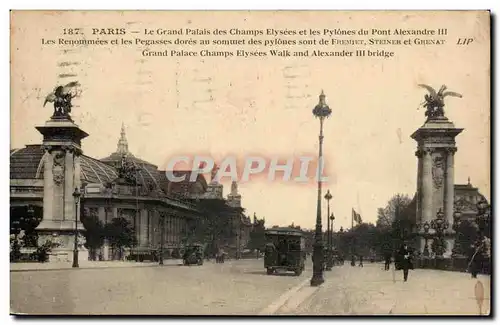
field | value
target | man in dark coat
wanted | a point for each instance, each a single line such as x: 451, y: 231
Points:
x: 387, y: 259
x: 475, y: 260
x: 405, y: 260
x: 360, y: 260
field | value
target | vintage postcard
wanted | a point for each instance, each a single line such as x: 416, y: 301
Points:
x: 250, y: 163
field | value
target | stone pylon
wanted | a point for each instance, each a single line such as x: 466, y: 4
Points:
x: 435, y: 176
x: 61, y: 175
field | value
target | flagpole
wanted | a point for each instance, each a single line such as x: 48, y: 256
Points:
x: 352, y: 219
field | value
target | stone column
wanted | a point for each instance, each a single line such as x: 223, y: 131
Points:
x: 77, y: 181
x: 449, y: 199
x: 427, y: 187
x: 48, y: 186
x: 69, y: 188
x: 450, y: 185
x: 143, y: 240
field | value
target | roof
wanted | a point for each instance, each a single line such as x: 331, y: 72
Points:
x: 183, y: 188
x: 27, y: 163
x: 285, y: 230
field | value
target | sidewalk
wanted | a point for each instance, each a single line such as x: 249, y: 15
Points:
x: 372, y: 291
x: 20, y: 267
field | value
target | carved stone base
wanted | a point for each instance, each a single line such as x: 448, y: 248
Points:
x: 63, y: 245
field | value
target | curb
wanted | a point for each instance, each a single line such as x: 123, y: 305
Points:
x: 283, y: 299
x: 94, y: 268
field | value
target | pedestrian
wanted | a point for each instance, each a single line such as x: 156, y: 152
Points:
x: 360, y: 261
x: 475, y: 262
x: 405, y: 260
x: 353, y: 260
x: 387, y: 258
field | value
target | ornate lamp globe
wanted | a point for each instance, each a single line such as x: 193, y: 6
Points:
x: 332, y: 217
x: 341, y: 229
x: 76, y: 193
x: 440, y: 215
x: 426, y: 227
x: 482, y: 206
x: 328, y: 196
x: 322, y: 110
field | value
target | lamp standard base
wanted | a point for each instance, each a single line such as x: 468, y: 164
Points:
x: 317, y: 280
x: 318, y: 266
x: 75, y: 259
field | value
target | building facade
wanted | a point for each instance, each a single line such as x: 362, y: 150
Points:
x: 121, y: 185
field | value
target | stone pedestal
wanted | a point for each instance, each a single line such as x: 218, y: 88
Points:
x: 62, y: 144
x: 435, y: 176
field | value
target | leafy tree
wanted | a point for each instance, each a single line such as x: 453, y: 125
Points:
x: 395, y: 223
x: 466, y: 237
x: 120, y: 234
x: 26, y: 218
x: 257, y: 235
x: 94, y: 233
x: 216, y: 227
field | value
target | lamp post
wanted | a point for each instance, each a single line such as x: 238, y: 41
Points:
x: 483, y: 217
x: 162, y: 235
x: 426, y: 227
x: 332, y: 218
x: 76, y: 195
x: 457, y: 249
x: 439, y: 225
x: 321, y: 111
x: 328, y: 197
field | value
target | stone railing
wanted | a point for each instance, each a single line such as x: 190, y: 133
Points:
x: 457, y: 264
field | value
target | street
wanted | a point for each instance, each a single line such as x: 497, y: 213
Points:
x: 233, y: 288
x: 243, y: 288
x: 370, y: 290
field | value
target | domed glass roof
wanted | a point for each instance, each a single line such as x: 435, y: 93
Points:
x: 27, y: 163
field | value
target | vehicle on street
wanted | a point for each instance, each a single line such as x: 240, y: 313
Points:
x: 193, y: 254
x: 285, y: 250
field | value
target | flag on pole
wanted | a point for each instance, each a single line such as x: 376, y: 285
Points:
x: 356, y: 217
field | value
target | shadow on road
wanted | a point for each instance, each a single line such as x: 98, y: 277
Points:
x: 274, y: 274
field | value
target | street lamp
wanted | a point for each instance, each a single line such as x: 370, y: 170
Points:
x: 426, y: 227
x: 332, y: 218
x: 439, y: 225
x: 76, y: 195
x: 321, y: 111
x: 162, y: 235
x: 483, y: 216
x: 457, y: 249
x: 328, y: 197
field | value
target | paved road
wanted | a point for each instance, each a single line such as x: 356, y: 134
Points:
x: 234, y: 288
x: 372, y: 291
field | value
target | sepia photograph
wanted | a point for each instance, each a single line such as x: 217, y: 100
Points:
x: 250, y: 163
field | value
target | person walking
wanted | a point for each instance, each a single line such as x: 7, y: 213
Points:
x: 406, y: 263
x: 353, y: 260
x: 475, y: 260
x: 387, y: 258
x: 360, y: 261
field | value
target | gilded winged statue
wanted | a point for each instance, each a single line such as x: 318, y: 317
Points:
x: 434, y: 101
x: 61, y: 97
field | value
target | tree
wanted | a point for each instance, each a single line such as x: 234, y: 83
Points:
x: 257, y: 235
x: 120, y: 234
x: 26, y: 218
x: 394, y: 209
x: 94, y: 233
x: 395, y: 222
x: 466, y: 237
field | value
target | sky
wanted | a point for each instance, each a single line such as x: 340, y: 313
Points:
x: 263, y: 106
